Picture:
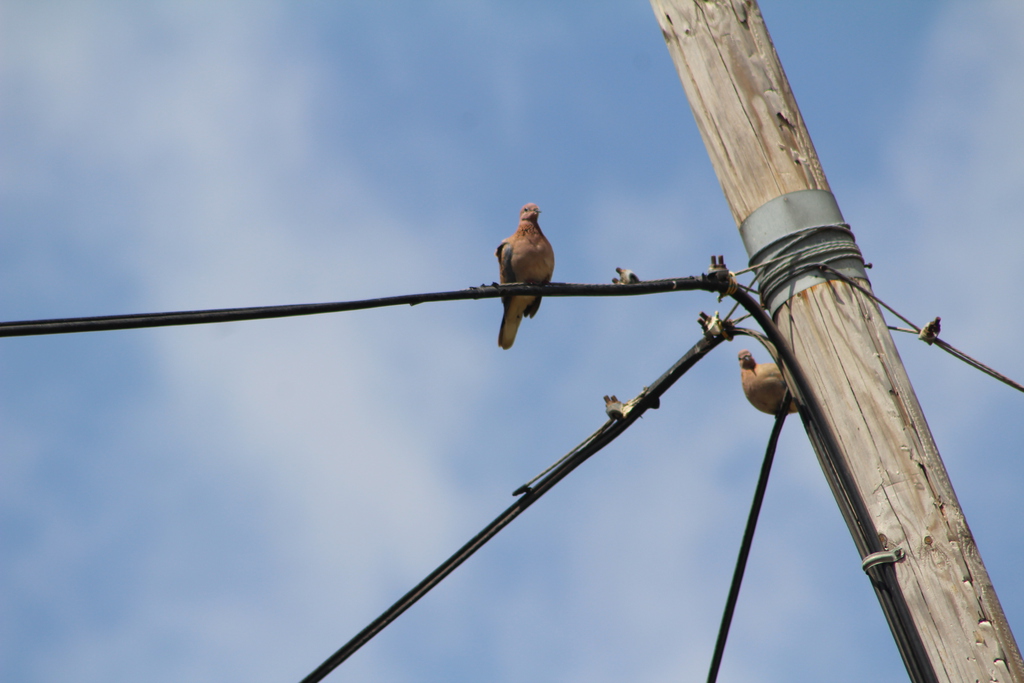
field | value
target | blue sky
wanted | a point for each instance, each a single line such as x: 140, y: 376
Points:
x: 232, y: 503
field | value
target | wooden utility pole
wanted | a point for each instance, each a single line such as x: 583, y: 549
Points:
x: 934, y: 589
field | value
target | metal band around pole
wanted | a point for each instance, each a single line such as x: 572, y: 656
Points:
x: 789, y: 235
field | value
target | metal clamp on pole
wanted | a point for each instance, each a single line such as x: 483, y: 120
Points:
x: 884, y: 557
x: 789, y: 235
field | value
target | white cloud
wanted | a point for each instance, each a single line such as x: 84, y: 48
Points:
x: 199, y: 122
x: 258, y: 491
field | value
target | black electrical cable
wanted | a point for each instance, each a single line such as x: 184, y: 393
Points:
x: 854, y: 511
x: 945, y: 346
x: 220, y: 315
x: 976, y: 364
x: 648, y: 398
x: 748, y: 539
x: 883, y: 577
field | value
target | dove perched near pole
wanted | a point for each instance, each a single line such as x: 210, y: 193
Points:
x: 524, y: 257
x: 763, y: 384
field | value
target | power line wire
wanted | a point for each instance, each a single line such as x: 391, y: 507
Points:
x: 220, y: 315
x: 748, y: 539
x: 837, y: 473
x: 648, y: 398
x: 852, y: 506
x: 24, y: 328
x: 974, y: 363
x: 945, y: 346
x: 840, y: 479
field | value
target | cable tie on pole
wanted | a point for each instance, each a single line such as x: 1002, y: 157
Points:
x: 883, y: 557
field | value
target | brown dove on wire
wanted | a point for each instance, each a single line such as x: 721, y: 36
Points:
x: 763, y: 384
x: 526, y: 256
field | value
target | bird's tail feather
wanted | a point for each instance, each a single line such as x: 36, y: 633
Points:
x: 507, y: 333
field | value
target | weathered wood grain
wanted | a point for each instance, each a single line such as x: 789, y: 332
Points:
x: 846, y: 350
x: 760, y: 149
x: 741, y: 101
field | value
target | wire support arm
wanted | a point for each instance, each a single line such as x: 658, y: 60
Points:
x: 648, y: 398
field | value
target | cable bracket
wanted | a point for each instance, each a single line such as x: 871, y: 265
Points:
x: 883, y: 557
